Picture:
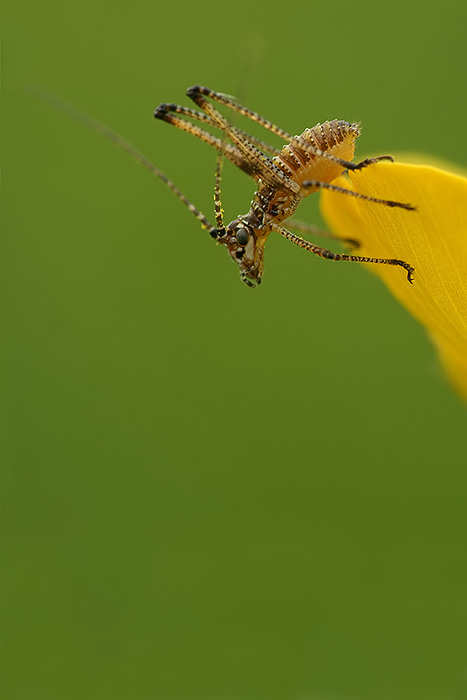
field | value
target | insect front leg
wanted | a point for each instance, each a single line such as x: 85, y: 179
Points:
x: 329, y: 255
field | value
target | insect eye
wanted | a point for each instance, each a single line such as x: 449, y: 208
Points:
x: 242, y: 236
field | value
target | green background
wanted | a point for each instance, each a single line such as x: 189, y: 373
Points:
x: 212, y: 492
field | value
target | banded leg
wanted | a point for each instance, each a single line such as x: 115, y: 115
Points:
x: 369, y: 161
x: 220, y: 231
x: 313, y: 231
x: 329, y: 255
x: 165, y: 111
x: 229, y: 151
x: 230, y: 102
x: 309, y: 184
x: 269, y: 172
x: 124, y: 145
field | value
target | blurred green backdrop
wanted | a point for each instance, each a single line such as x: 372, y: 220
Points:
x: 211, y: 491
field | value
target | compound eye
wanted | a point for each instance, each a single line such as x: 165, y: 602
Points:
x: 242, y: 236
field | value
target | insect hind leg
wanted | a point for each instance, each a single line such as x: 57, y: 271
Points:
x: 196, y: 92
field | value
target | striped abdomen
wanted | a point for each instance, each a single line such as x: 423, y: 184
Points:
x: 276, y: 204
x: 335, y: 137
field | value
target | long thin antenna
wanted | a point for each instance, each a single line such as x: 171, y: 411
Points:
x: 80, y: 116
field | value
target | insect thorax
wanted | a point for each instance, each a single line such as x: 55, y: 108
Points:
x: 277, y: 203
x: 274, y: 203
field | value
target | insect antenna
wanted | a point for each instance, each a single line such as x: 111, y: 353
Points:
x: 111, y: 135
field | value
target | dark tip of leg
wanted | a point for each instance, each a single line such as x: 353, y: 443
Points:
x: 352, y: 243
x: 370, y: 161
x: 194, y: 90
x: 248, y: 282
x: 161, y: 111
x: 410, y: 270
x: 401, y: 205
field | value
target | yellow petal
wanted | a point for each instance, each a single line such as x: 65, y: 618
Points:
x: 432, y: 239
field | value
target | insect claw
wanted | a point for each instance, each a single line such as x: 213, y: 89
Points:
x: 401, y: 205
x: 410, y: 270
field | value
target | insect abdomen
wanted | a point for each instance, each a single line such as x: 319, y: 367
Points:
x: 335, y: 137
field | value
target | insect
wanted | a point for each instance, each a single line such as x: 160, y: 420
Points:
x: 284, y: 177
